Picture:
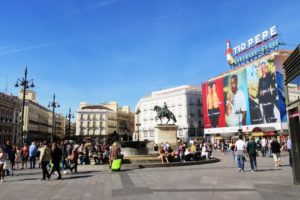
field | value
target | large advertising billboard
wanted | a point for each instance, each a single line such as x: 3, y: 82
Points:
x: 249, y: 97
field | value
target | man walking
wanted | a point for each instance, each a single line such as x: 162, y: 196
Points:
x: 240, y: 147
x: 32, y: 154
x: 263, y: 143
x: 251, y: 150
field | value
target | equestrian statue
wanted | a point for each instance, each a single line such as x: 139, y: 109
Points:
x: 164, y: 112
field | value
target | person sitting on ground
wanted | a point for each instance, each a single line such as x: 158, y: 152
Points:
x: 180, y: 152
x: 187, y: 154
x: 170, y: 154
x: 162, y: 155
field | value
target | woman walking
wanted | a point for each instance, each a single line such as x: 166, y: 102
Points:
x: 56, y: 158
x: 45, y: 158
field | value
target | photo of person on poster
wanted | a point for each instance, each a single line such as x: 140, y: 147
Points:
x: 213, y: 104
x: 238, y: 101
x: 254, y: 106
x: 267, y: 93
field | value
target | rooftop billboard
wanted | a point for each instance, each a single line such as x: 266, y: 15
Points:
x: 249, y: 97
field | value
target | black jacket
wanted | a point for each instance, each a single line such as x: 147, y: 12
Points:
x: 56, y: 155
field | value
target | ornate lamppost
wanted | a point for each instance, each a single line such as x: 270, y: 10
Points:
x: 25, y: 84
x: 54, y: 104
x: 69, y: 116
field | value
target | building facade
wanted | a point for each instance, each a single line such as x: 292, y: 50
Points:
x: 185, y: 103
x: 292, y: 90
x: 95, y: 121
x: 10, y: 122
x: 125, y: 119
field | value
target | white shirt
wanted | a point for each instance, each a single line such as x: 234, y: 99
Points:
x: 263, y: 142
x: 240, y: 145
x: 289, y: 144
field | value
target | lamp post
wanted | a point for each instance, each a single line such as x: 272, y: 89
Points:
x: 138, y: 124
x: 54, y: 104
x: 26, y: 84
x: 69, y: 116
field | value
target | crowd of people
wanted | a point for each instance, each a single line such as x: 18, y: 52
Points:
x: 183, y: 153
x: 54, y: 158
x: 251, y: 148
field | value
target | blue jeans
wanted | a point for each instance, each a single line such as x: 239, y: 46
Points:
x: 253, y: 162
x: 32, y: 162
x: 240, y: 162
x: 233, y: 155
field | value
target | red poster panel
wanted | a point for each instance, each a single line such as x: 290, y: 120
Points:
x: 213, y: 104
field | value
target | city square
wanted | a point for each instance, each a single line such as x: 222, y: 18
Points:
x: 208, y: 181
x: 133, y: 99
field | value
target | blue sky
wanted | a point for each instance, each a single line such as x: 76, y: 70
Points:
x: 104, y: 50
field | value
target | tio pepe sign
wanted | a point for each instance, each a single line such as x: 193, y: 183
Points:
x: 255, y: 47
x: 265, y: 35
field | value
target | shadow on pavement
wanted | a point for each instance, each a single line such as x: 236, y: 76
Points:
x: 76, y: 177
x: 263, y: 170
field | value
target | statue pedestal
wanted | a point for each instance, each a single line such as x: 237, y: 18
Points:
x: 166, y: 133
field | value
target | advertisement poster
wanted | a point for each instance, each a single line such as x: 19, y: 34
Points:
x: 213, y: 104
x: 236, y: 99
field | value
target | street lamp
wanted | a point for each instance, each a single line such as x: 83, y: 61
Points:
x: 25, y: 84
x: 69, y: 116
x: 54, y: 104
x: 138, y: 124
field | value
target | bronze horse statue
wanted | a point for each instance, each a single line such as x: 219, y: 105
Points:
x: 161, y: 113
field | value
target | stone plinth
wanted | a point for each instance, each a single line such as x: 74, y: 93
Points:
x: 166, y: 133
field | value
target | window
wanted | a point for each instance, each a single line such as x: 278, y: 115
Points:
x: 151, y: 133
x: 145, y: 134
x: 294, y: 89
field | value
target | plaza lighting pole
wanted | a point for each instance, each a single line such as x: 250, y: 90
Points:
x: 26, y: 84
x: 54, y: 104
x: 69, y: 116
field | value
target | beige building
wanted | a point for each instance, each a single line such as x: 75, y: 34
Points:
x: 95, y: 121
x: 60, y: 124
x: 125, y: 118
x: 10, y: 122
x: 38, y: 120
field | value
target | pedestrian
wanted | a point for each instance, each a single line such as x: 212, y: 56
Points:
x: 32, y: 154
x: 56, y: 159
x: 232, y: 146
x: 74, y: 158
x: 24, y: 155
x: 2, y: 163
x: 8, y: 151
x: 251, y: 150
x: 289, y: 148
x: 240, y: 148
x: 263, y: 143
x: 63, y: 147
x: 115, y: 153
x: 45, y: 158
x: 275, y: 146
x: 12, y: 158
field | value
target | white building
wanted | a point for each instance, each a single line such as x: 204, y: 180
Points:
x: 95, y: 121
x: 185, y: 103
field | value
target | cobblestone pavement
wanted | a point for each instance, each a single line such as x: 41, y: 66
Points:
x: 208, y: 181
